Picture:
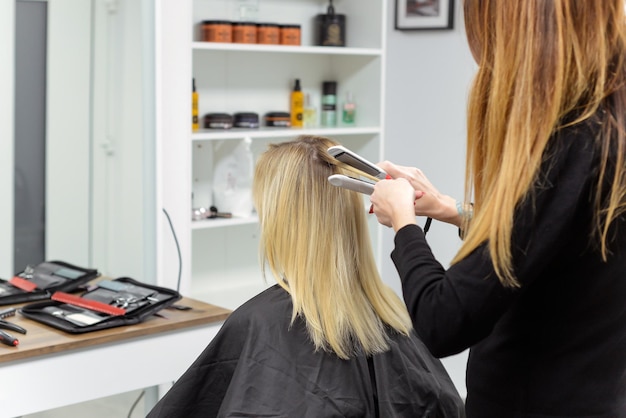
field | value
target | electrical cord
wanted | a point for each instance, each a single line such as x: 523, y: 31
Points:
x: 429, y: 220
x: 180, y: 257
x: 132, y: 408
x: 180, y: 271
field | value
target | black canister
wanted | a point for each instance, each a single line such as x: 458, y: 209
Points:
x: 278, y: 119
x: 331, y: 28
x: 246, y: 120
x: 218, y: 121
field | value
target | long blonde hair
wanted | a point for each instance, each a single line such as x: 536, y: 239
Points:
x: 539, y: 62
x: 315, y: 241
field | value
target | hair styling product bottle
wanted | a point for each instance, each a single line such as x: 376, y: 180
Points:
x: 297, y: 105
x: 329, y: 103
x: 194, y: 107
x: 310, y: 112
x: 348, y: 110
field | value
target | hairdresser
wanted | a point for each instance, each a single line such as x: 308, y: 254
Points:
x: 537, y: 290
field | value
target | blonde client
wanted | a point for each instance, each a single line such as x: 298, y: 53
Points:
x: 329, y: 339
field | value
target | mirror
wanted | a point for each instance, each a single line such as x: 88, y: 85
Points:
x: 99, y: 158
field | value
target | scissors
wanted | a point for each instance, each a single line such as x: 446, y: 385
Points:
x: 8, y: 325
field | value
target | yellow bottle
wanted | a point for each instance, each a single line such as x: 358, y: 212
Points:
x: 297, y: 106
x: 194, y: 107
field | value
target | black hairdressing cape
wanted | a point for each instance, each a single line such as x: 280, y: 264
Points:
x: 260, y: 366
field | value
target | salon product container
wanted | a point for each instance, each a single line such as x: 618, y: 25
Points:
x: 195, y: 125
x: 290, y: 34
x: 278, y: 119
x: 297, y: 105
x: 217, y: 31
x: 331, y: 28
x: 329, y: 104
x: 248, y: 120
x: 348, y: 109
x: 218, y: 121
x: 309, y: 114
x: 268, y: 33
x: 244, y: 32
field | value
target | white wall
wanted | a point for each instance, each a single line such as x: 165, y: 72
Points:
x: 428, y: 78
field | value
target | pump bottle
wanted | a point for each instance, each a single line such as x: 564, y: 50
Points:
x: 297, y: 105
x: 194, y: 107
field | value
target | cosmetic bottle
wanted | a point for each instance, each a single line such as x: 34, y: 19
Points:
x: 194, y: 107
x: 331, y: 28
x: 310, y: 112
x: 348, y: 110
x: 329, y: 103
x: 297, y: 105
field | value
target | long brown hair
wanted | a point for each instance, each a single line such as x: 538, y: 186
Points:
x: 315, y: 240
x: 540, y: 61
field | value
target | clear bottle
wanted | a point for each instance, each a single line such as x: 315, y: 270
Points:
x: 348, y: 110
x: 310, y: 112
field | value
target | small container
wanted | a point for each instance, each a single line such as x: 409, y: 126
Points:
x: 331, y: 28
x: 218, y: 121
x: 310, y: 112
x: 195, y: 123
x: 290, y: 34
x: 244, y: 33
x: 217, y: 31
x: 329, y: 103
x: 297, y: 105
x: 268, y: 33
x: 278, y: 119
x: 246, y: 120
x: 348, y: 113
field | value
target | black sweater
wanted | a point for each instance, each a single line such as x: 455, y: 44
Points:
x: 556, y: 347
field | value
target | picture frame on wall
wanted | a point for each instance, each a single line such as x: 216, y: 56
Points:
x: 424, y: 14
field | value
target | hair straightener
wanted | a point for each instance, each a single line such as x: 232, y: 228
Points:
x: 351, y: 183
x: 354, y: 160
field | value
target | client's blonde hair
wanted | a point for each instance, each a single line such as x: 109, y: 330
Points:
x: 315, y: 241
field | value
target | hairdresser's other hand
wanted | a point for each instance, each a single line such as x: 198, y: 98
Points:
x: 392, y: 202
x: 433, y: 204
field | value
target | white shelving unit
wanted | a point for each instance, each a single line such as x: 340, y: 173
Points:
x: 220, y: 261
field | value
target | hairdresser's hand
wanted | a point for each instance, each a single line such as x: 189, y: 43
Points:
x: 433, y: 203
x: 392, y: 202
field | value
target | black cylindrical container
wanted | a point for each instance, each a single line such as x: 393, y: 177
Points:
x: 331, y: 28
x: 218, y: 121
x: 246, y: 120
x: 278, y: 119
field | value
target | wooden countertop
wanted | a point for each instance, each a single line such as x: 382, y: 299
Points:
x: 42, y: 339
